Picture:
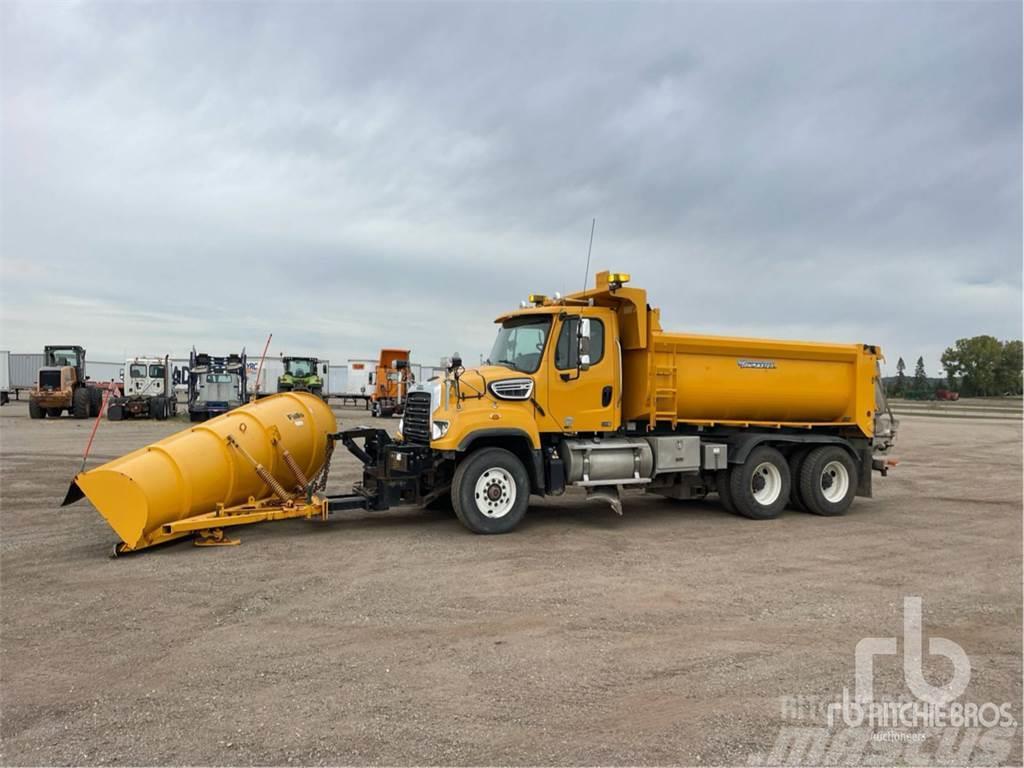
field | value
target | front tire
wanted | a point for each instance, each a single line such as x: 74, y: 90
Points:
x: 80, y: 402
x: 491, y: 491
x: 760, y: 487
x: 95, y: 401
x: 828, y: 481
x: 35, y: 410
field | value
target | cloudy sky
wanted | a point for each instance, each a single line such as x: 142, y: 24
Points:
x: 354, y: 176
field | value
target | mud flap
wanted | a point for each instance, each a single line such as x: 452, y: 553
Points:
x: 609, y: 494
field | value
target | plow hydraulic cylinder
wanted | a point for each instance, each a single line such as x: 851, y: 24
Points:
x: 210, y: 466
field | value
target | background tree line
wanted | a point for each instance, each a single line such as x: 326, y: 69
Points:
x: 981, y: 366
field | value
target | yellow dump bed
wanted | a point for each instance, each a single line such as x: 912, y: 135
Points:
x: 728, y: 381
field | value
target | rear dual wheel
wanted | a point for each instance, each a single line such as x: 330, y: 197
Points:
x: 828, y: 481
x: 759, y: 488
x: 820, y: 480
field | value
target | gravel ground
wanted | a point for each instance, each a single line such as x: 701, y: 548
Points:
x: 667, y: 636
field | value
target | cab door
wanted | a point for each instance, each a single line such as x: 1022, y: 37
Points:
x: 583, y: 365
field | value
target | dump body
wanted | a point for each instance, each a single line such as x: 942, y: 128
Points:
x: 710, y: 380
x: 193, y: 471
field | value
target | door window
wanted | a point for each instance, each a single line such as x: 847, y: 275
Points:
x: 567, y: 349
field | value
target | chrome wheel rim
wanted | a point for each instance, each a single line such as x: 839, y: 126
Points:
x: 495, y: 493
x: 835, y: 482
x: 766, y: 483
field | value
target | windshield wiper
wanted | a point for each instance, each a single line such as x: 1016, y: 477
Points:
x: 509, y: 363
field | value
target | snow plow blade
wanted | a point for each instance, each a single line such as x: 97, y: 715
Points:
x: 257, y: 462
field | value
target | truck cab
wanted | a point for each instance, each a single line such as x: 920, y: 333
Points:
x: 216, y: 385
x: 147, y: 390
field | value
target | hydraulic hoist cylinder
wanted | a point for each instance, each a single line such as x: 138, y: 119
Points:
x: 210, y: 464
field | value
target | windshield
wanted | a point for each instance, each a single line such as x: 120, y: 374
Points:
x: 61, y: 357
x: 299, y: 367
x: 137, y: 371
x: 520, y: 343
x: 156, y: 371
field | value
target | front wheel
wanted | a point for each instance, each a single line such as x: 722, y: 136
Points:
x: 80, y: 402
x: 95, y: 401
x: 35, y: 410
x: 491, y: 491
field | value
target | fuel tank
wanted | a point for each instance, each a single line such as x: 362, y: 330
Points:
x: 191, y: 472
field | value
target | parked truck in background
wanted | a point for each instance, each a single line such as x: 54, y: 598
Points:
x: 302, y: 374
x: 62, y: 385
x: 215, y: 384
x: 390, y: 381
x: 148, y: 392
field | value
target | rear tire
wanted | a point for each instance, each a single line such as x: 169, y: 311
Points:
x: 796, y: 460
x: 491, y: 491
x: 35, y: 411
x: 760, y: 487
x: 828, y: 481
x: 80, y: 403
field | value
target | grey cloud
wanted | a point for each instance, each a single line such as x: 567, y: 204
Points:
x: 354, y: 175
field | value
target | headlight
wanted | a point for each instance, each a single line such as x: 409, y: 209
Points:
x: 438, y: 429
x: 512, y: 389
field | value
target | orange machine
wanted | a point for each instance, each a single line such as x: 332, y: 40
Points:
x: 391, y: 382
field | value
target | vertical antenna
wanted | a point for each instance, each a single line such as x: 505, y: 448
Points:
x: 589, y: 249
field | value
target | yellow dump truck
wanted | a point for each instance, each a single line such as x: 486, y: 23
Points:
x: 585, y: 391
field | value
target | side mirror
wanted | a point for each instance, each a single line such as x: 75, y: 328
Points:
x: 583, y: 350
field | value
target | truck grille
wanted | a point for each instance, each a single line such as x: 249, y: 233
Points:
x: 416, y: 424
x: 49, y: 379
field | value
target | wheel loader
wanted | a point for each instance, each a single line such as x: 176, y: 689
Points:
x: 301, y: 374
x: 63, y: 386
